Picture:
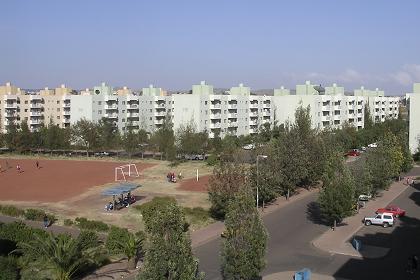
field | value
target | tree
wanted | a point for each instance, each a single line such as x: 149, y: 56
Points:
x: 108, y: 134
x: 85, y: 133
x: 168, y: 253
x: 227, y: 179
x: 189, y: 141
x: 164, y: 138
x: 12, y: 138
x: 336, y: 199
x: 368, y: 118
x: 60, y: 256
x: 131, y: 245
x: 130, y: 141
x: 25, y: 137
x: 244, y: 248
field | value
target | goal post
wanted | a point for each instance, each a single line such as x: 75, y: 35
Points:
x: 123, y: 172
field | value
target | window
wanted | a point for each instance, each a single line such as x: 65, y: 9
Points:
x: 123, y: 103
x: 123, y: 120
x: 99, y: 112
x: 99, y: 102
x: 150, y: 110
x: 150, y: 118
x: 26, y: 101
x: 58, y: 109
x: 58, y: 117
x: 123, y: 111
x: 26, y: 110
x: 205, y: 102
x: 58, y: 101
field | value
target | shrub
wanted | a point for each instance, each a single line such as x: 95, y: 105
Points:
x: 196, y: 215
x: 115, y: 236
x: 212, y: 160
x: 19, y: 232
x: 86, y: 224
x: 68, y: 222
x: 9, y: 268
x: 88, y: 239
x: 10, y: 210
x: 38, y: 215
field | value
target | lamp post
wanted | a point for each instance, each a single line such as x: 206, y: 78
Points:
x: 258, y: 157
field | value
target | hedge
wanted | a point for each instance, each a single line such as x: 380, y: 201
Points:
x: 10, y: 210
x: 86, y: 224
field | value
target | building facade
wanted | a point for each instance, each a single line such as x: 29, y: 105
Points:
x: 234, y: 112
x: 414, y: 118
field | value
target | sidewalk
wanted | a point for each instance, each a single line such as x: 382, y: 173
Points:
x: 288, y: 275
x: 336, y: 242
x: 214, y: 230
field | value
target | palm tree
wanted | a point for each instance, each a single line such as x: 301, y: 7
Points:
x: 62, y: 256
x: 130, y: 246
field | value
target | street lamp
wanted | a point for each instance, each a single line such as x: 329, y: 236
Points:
x: 258, y: 157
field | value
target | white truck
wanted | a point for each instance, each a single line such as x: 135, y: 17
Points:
x: 383, y: 219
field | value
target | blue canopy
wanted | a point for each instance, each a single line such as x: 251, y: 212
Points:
x: 120, y: 188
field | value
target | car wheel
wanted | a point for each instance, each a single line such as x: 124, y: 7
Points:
x: 385, y: 225
x: 368, y: 223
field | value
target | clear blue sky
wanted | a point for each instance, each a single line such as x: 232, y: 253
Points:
x: 174, y: 44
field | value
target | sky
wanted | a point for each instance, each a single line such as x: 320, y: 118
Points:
x: 174, y: 44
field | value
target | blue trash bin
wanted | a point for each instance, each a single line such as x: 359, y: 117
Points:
x: 304, y: 274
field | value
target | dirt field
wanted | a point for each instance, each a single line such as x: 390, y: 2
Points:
x: 194, y: 186
x: 55, y: 180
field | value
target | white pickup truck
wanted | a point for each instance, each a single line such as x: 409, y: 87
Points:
x: 383, y: 219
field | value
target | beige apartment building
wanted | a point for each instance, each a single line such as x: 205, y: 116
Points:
x: 47, y: 106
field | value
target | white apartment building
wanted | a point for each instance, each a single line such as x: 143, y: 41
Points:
x: 414, y: 118
x: 236, y: 111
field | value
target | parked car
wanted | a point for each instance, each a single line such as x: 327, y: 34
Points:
x: 373, y: 145
x: 353, y: 153
x: 365, y: 197
x: 195, y: 157
x: 395, y: 210
x: 384, y: 219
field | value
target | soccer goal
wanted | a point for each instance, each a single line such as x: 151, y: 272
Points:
x: 123, y: 172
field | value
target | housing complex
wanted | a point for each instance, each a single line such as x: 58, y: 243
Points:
x: 236, y: 111
x: 414, y: 118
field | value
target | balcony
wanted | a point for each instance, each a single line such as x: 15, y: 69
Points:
x: 132, y: 115
x: 35, y: 121
x: 35, y: 113
x: 266, y: 105
x: 326, y: 118
x: 111, y: 107
x: 253, y: 122
x: 215, y: 116
x: 35, y: 97
x: 66, y: 112
x: 158, y: 122
x: 233, y: 124
x: 111, y: 116
x: 66, y: 120
x: 215, y: 125
x: 9, y: 105
x: 253, y: 114
x: 253, y: 130
x: 36, y: 105
x: 266, y: 113
x: 232, y: 116
x: 132, y: 106
x: 215, y: 106
x: 232, y: 106
x: 10, y: 97
x: 160, y: 113
x: 9, y: 114
x: 253, y: 105
x: 66, y: 98
x: 111, y: 98
x: 133, y: 123
x: 160, y: 105
x: 66, y: 105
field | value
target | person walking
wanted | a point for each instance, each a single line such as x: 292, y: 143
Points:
x: 18, y: 168
x: 46, y: 223
x: 37, y: 164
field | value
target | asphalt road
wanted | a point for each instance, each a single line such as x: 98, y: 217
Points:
x: 292, y: 229
x: 289, y: 246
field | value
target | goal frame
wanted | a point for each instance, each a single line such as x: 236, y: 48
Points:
x: 127, y: 169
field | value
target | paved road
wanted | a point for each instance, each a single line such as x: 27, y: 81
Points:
x: 289, y: 246
x: 291, y: 233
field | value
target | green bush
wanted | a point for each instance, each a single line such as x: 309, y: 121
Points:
x: 86, y: 224
x: 38, y: 215
x: 212, y: 160
x: 197, y: 215
x: 10, y: 210
x: 9, y: 268
x: 19, y: 232
x: 68, y: 222
x: 88, y: 239
x: 115, y: 235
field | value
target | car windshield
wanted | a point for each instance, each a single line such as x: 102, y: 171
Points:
x: 378, y: 216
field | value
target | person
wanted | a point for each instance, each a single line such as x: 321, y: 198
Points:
x: 18, y: 168
x: 7, y: 165
x: 46, y: 223
x: 0, y: 169
x: 37, y: 164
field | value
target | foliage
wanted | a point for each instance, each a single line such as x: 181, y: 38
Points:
x: 61, y: 256
x: 19, y: 232
x: 9, y: 268
x: 191, y: 142
x: 226, y: 180
x: 10, y: 210
x: 85, y: 133
x: 115, y: 234
x: 168, y: 252
x: 244, y: 248
x: 108, y: 134
x: 38, y: 215
x: 131, y: 247
x: 86, y: 224
x: 196, y: 215
x: 164, y: 138
x: 336, y: 199
x: 68, y: 222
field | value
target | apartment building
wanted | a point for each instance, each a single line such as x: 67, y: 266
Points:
x: 48, y: 106
x: 236, y: 111
x: 329, y: 106
x: 414, y: 118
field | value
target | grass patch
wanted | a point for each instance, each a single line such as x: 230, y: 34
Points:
x: 197, y: 217
x: 86, y: 224
x: 12, y: 211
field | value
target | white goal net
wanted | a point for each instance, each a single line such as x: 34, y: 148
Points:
x: 124, y: 172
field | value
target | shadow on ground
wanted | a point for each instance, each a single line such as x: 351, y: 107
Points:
x: 404, y: 241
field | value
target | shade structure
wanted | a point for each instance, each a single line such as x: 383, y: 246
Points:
x: 120, y: 188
